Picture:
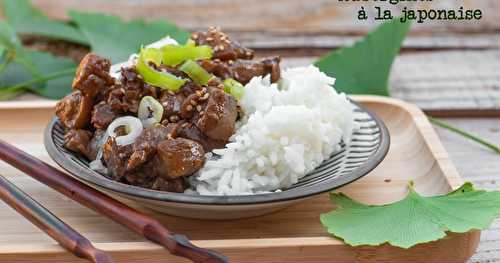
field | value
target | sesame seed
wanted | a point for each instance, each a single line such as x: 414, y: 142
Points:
x: 221, y: 47
x: 220, y: 86
x: 216, y: 48
x: 204, y: 90
x: 210, y: 38
x: 139, y: 77
x: 199, y: 93
x: 202, y: 112
x: 189, y: 107
x: 198, y: 108
x: 171, y: 92
x: 165, y: 104
x: 230, y: 62
x: 184, y: 125
x: 248, y: 53
x: 195, y: 36
x: 193, y: 102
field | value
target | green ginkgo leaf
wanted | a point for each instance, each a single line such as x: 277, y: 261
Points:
x: 413, y: 220
x: 364, y: 67
x: 27, y: 19
x: 111, y: 37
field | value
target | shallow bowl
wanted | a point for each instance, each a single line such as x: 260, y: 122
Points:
x: 367, y: 149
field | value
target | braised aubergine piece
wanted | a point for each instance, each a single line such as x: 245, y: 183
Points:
x: 74, y: 110
x: 116, y: 158
x: 78, y: 141
x: 126, y: 96
x: 244, y: 70
x: 145, y: 145
x: 92, y: 75
x: 224, y: 48
x: 178, y: 157
x: 102, y: 115
x: 190, y: 131
x: 218, y: 119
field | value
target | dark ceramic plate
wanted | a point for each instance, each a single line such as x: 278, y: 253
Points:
x: 367, y: 149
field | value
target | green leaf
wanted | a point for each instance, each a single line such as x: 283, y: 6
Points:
x: 53, y: 81
x: 11, y: 43
x: 413, y: 220
x: 27, y: 19
x: 111, y: 37
x: 39, y: 72
x: 13, y: 52
x: 64, y: 69
x: 364, y: 67
x: 13, y: 74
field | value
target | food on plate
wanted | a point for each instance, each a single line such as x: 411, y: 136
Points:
x: 203, y: 117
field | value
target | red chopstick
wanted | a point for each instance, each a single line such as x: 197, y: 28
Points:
x: 66, y: 236
x: 119, y: 212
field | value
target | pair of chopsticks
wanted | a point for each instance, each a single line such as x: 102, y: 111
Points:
x: 66, y: 236
x: 138, y: 222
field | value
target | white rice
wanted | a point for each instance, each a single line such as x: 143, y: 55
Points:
x: 288, y: 129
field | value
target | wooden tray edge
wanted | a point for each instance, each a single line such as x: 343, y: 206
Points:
x: 270, y: 249
x: 14, y: 105
x: 426, y: 129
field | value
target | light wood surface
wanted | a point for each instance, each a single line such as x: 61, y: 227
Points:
x: 292, y: 235
x: 446, y: 66
x: 316, y: 16
x: 298, y: 24
x: 481, y: 167
x: 442, y: 80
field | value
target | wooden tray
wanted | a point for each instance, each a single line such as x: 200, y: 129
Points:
x: 292, y: 235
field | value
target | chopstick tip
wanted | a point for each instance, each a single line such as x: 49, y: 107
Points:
x: 100, y: 256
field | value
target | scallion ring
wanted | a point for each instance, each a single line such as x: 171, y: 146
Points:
x: 150, y: 111
x: 133, y: 127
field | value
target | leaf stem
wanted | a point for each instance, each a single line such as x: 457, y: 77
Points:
x: 50, y: 76
x: 12, y: 91
x: 9, y: 93
x: 465, y: 134
x: 8, y: 59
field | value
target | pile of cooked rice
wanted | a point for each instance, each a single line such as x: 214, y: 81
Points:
x: 287, y: 130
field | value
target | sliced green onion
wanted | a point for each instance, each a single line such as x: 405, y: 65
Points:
x: 197, y: 73
x: 234, y: 88
x: 133, y: 127
x: 190, y: 43
x: 153, y: 77
x: 150, y: 111
x: 175, y: 54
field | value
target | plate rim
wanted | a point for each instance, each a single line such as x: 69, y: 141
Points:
x: 284, y: 196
